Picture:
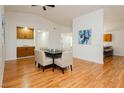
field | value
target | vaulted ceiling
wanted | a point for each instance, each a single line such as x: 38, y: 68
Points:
x: 64, y: 14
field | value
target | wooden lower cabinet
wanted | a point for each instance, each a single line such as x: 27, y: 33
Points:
x: 25, y: 51
x: 30, y: 51
x: 21, y: 52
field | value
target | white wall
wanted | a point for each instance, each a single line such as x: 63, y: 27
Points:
x: 27, y: 42
x: 93, y: 52
x: 55, y: 36
x: 43, y: 38
x: 66, y: 39
x: 117, y: 42
x: 14, y: 19
x: 1, y: 46
x: 52, y: 39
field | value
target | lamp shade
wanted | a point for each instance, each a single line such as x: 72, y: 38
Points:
x: 107, y: 37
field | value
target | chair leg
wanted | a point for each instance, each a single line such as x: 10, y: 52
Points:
x: 71, y: 67
x: 53, y: 67
x: 67, y: 67
x: 43, y: 69
x: 38, y: 65
x: 35, y: 63
x: 63, y: 70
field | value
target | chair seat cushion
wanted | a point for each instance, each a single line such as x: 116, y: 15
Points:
x: 48, y: 61
x: 58, y: 62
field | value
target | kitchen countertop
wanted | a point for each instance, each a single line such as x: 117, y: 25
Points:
x: 25, y: 46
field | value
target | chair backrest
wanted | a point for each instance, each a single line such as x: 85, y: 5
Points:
x: 36, y: 55
x: 67, y: 58
x: 40, y: 56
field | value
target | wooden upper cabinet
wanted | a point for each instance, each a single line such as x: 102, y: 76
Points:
x: 20, y: 33
x: 25, y: 33
x: 29, y: 34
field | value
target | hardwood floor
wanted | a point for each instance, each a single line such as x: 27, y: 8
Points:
x: 23, y: 73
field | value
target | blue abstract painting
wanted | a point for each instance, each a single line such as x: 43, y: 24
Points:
x: 85, y: 37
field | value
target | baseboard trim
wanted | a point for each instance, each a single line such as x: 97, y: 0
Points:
x: 87, y: 60
x: 18, y: 58
x: 118, y: 55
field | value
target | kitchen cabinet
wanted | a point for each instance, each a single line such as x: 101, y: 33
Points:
x: 25, y: 51
x: 25, y: 33
x: 29, y: 51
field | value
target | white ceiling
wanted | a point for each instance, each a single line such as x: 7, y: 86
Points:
x: 64, y: 14
x: 114, y: 18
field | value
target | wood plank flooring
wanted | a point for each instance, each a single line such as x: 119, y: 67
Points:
x: 22, y: 74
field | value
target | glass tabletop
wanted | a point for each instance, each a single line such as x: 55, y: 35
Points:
x: 52, y: 51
